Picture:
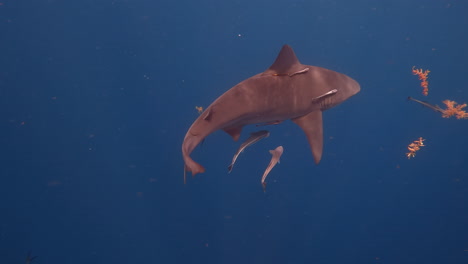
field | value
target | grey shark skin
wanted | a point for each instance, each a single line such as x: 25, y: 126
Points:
x: 286, y: 90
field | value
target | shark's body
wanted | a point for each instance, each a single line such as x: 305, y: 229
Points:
x: 286, y: 90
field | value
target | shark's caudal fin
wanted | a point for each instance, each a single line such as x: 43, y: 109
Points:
x: 193, y: 167
x: 190, y: 142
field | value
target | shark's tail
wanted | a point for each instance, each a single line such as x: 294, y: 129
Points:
x: 190, y: 165
x: 193, y: 167
x: 190, y: 142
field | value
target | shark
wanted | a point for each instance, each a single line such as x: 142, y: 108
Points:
x: 287, y: 90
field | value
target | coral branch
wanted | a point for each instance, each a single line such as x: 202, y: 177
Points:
x: 423, y: 78
x: 454, y: 110
x: 415, y: 146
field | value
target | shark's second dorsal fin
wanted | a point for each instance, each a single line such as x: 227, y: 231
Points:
x: 285, y: 63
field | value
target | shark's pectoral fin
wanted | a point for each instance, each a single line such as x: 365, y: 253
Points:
x: 234, y: 132
x: 312, y: 126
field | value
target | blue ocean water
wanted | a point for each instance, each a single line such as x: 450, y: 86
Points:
x: 96, y: 97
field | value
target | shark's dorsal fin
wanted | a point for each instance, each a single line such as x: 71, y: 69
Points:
x: 286, y: 63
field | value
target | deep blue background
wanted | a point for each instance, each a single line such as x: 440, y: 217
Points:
x: 96, y: 97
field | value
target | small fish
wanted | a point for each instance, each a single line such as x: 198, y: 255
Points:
x: 334, y: 91
x: 254, y: 138
x: 270, y: 123
x: 275, y: 158
x: 426, y: 104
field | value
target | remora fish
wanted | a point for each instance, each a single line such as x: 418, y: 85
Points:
x: 254, y: 138
x: 275, y: 158
x: 428, y: 105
